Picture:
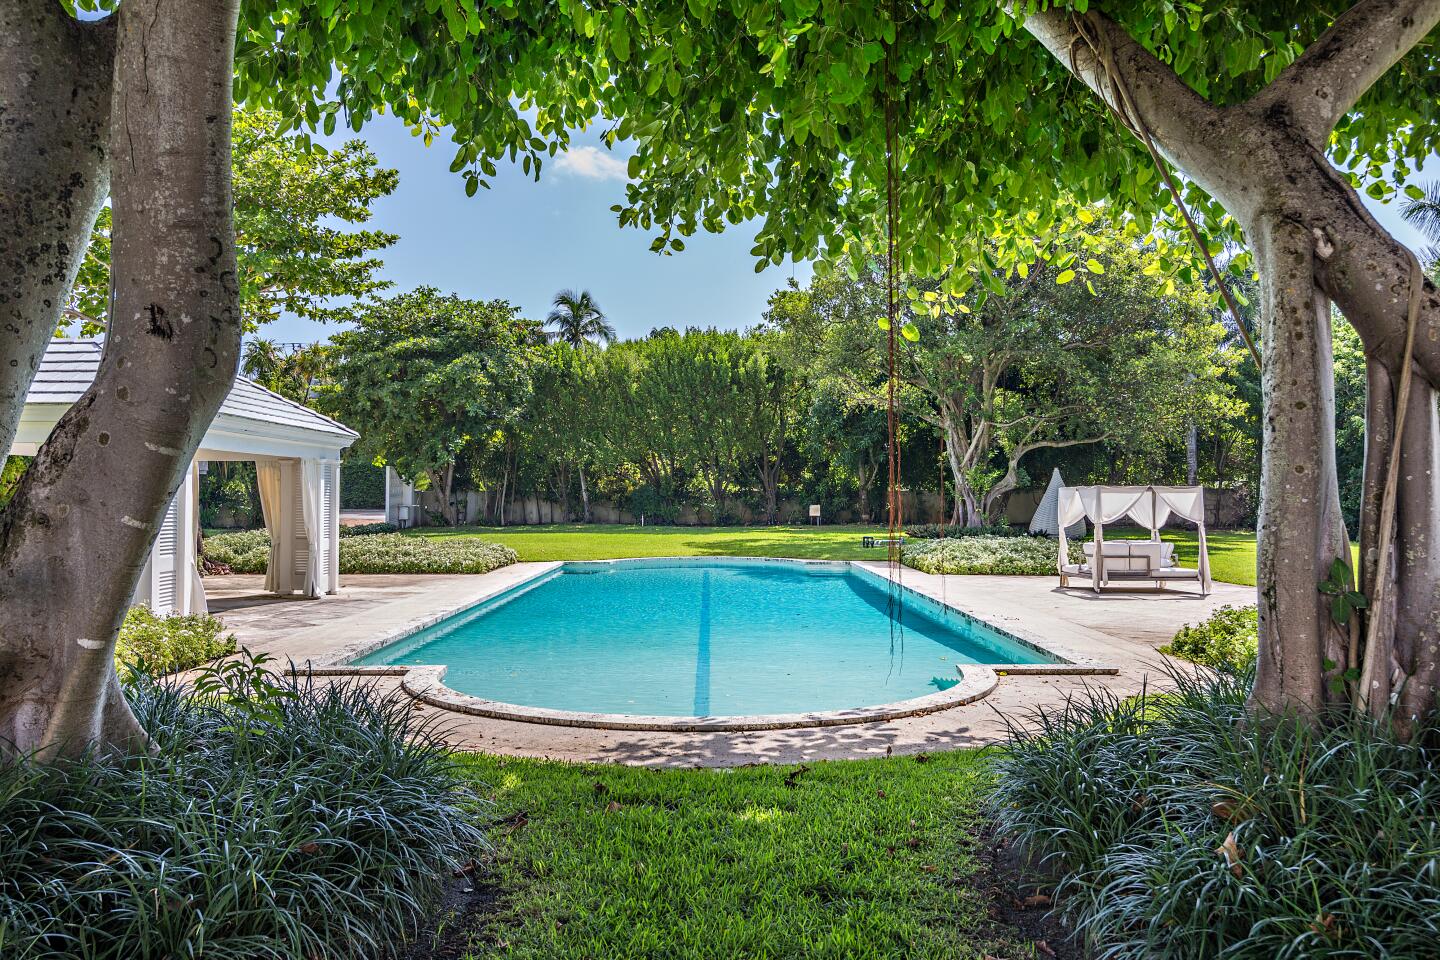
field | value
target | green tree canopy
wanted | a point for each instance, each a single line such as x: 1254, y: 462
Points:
x: 1119, y: 355
x: 291, y: 200
x: 424, y: 376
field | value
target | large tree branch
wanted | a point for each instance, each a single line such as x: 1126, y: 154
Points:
x: 1184, y: 125
x: 55, y: 82
x: 1345, y: 61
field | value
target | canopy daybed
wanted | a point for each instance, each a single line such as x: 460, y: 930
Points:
x: 1131, y: 561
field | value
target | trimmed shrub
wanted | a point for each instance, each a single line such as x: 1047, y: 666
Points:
x: 288, y: 820
x: 373, y: 553
x: 934, y: 531
x: 1229, y: 638
x: 1180, y: 827
x: 167, y: 644
x: 366, y: 529
x: 1022, y: 556
x: 246, y: 551
x: 397, y: 553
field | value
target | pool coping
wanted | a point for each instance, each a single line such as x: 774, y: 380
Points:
x: 425, y: 682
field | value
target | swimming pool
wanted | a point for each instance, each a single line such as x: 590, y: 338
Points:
x: 705, y: 638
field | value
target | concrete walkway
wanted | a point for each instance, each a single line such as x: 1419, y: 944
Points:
x: 1122, y: 629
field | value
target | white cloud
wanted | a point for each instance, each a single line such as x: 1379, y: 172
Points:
x: 592, y: 163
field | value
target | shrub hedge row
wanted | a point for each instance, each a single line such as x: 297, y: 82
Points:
x: 249, y: 551
x: 1023, y: 556
x: 167, y: 644
x: 932, y: 531
x: 1228, y: 638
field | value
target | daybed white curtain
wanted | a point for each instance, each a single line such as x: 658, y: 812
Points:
x: 269, y: 479
x: 1149, y: 506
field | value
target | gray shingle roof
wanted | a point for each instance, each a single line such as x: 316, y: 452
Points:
x: 69, y: 366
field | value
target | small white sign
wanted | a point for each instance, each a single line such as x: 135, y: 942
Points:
x: 814, y: 509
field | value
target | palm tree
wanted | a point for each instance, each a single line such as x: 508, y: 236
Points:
x: 577, y: 319
x: 1424, y: 215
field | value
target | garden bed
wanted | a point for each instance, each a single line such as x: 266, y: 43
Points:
x: 986, y: 554
x: 249, y: 552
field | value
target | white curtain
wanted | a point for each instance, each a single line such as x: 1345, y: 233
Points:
x: 268, y: 479
x: 311, y: 494
x: 1151, y: 507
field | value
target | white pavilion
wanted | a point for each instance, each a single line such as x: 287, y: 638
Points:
x: 297, y: 459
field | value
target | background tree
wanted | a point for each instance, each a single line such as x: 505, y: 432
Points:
x: 1111, y: 356
x: 577, y: 319
x: 427, y: 378
x: 295, y: 371
x: 291, y: 200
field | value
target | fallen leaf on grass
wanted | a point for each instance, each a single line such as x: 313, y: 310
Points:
x: 793, y: 776
x: 600, y: 788
x: 1230, y: 850
x: 1045, y: 948
x: 929, y: 868
x: 1231, y: 811
x: 613, y: 806
x: 1035, y: 900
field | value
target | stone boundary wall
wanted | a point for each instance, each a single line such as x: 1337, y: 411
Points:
x: 1225, y: 508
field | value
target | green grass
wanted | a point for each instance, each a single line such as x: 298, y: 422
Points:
x: 1232, y: 552
x: 573, y: 541
x: 856, y: 859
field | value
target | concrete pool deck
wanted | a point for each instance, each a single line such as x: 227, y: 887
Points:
x: 1121, y: 629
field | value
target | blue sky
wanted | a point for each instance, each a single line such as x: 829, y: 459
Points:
x: 523, y: 241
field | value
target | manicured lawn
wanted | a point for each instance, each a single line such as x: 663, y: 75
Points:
x: 862, y: 859
x: 1232, y: 552
x: 573, y: 541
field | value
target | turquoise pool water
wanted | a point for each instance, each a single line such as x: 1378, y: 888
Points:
x: 713, y: 638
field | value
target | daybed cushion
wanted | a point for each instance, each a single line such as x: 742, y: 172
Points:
x: 1136, y: 557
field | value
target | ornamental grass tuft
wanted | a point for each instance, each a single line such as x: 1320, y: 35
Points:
x: 1179, y: 826
x: 285, y: 819
x: 986, y: 554
x: 249, y: 552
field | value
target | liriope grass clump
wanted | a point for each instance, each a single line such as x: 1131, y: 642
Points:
x: 273, y: 820
x: 249, y: 552
x: 986, y: 554
x: 1179, y: 826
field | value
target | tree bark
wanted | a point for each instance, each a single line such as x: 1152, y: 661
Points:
x: 1264, y: 161
x: 76, y: 535
x: 584, y: 496
x: 1192, y: 455
x: 1301, y: 530
x: 55, y: 77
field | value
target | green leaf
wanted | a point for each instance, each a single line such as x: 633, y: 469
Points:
x: 1414, y: 192
x: 1094, y: 266
x: 910, y: 332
